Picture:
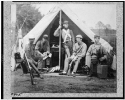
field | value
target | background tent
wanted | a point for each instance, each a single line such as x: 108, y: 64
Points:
x: 49, y: 23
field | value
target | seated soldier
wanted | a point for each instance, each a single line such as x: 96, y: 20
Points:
x: 79, y: 51
x: 30, y: 54
x: 42, y: 47
x: 95, y: 54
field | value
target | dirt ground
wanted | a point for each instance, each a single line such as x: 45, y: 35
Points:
x: 53, y: 83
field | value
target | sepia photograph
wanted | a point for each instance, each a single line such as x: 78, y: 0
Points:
x: 63, y: 47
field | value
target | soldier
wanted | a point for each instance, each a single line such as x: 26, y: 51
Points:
x: 95, y: 54
x: 68, y: 37
x: 30, y: 53
x: 41, y: 47
x: 79, y: 51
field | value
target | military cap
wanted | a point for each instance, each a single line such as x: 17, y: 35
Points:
x: 96, y: 36
x: 65, y: 22
x: 31, y: 37
x: 45, y: 36
x: 79, y: 36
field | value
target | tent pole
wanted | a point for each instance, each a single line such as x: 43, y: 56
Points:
x: 60, y: 41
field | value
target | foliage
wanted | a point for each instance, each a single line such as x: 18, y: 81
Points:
x: 31, y: 15
x: 100, y: 25
x: 108, y: 26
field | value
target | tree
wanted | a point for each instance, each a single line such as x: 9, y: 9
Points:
x: 108, y: 26
x: 31, y: 15
x: 100, y: 25
x: 108, y: 29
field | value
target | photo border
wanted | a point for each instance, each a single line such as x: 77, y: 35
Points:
x: 6, y: 53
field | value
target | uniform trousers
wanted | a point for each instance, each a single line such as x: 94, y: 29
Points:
x: 68, y: 45
x: 68, y: 60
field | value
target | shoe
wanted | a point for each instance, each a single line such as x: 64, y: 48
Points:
x: 39, y: 69
x: 73, y: 74
x: 34, y: 83
x: 62, y: 73
x: 86, y: 68
x: 90, y: 75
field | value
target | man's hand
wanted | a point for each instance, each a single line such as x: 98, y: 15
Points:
x: 35, y: 62
x: 42, y: 55
x: 29, y: 60
x: 72, y: 56
x: 59, y: 27
x: 39, y: 53
x: 102, y: 58
x: 74, y: 59
x: 59, y: 22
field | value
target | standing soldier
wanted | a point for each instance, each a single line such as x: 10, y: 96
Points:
x: 68, y: 37
x: 95, y: 54
x: 30, y: 53
x: 41, y: 47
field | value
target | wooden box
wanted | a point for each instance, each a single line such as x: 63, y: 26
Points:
x: 102, y: 71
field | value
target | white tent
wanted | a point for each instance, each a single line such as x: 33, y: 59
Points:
x: 77, y: 25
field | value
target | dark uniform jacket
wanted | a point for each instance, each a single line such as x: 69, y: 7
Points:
x: 97, y: 50
x: 42, y: 46
x: 30, y: 51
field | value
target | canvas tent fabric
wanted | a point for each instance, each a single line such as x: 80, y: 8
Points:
x: 77, y: 25
x: 41, y: 26
x: 17, y: 47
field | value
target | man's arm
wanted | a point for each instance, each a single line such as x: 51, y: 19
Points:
x: 72, y: 35
x: 27, y: 52
x: 48, y: 47
x: 74, y: 48
x: 37, y: 47
x: 89, y: 51
x: 103, y: 50
x: 82, y: 54
x: 57, y: 31
x: 29, y: 58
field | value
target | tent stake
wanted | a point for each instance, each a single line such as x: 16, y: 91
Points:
x: 60, y: 43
